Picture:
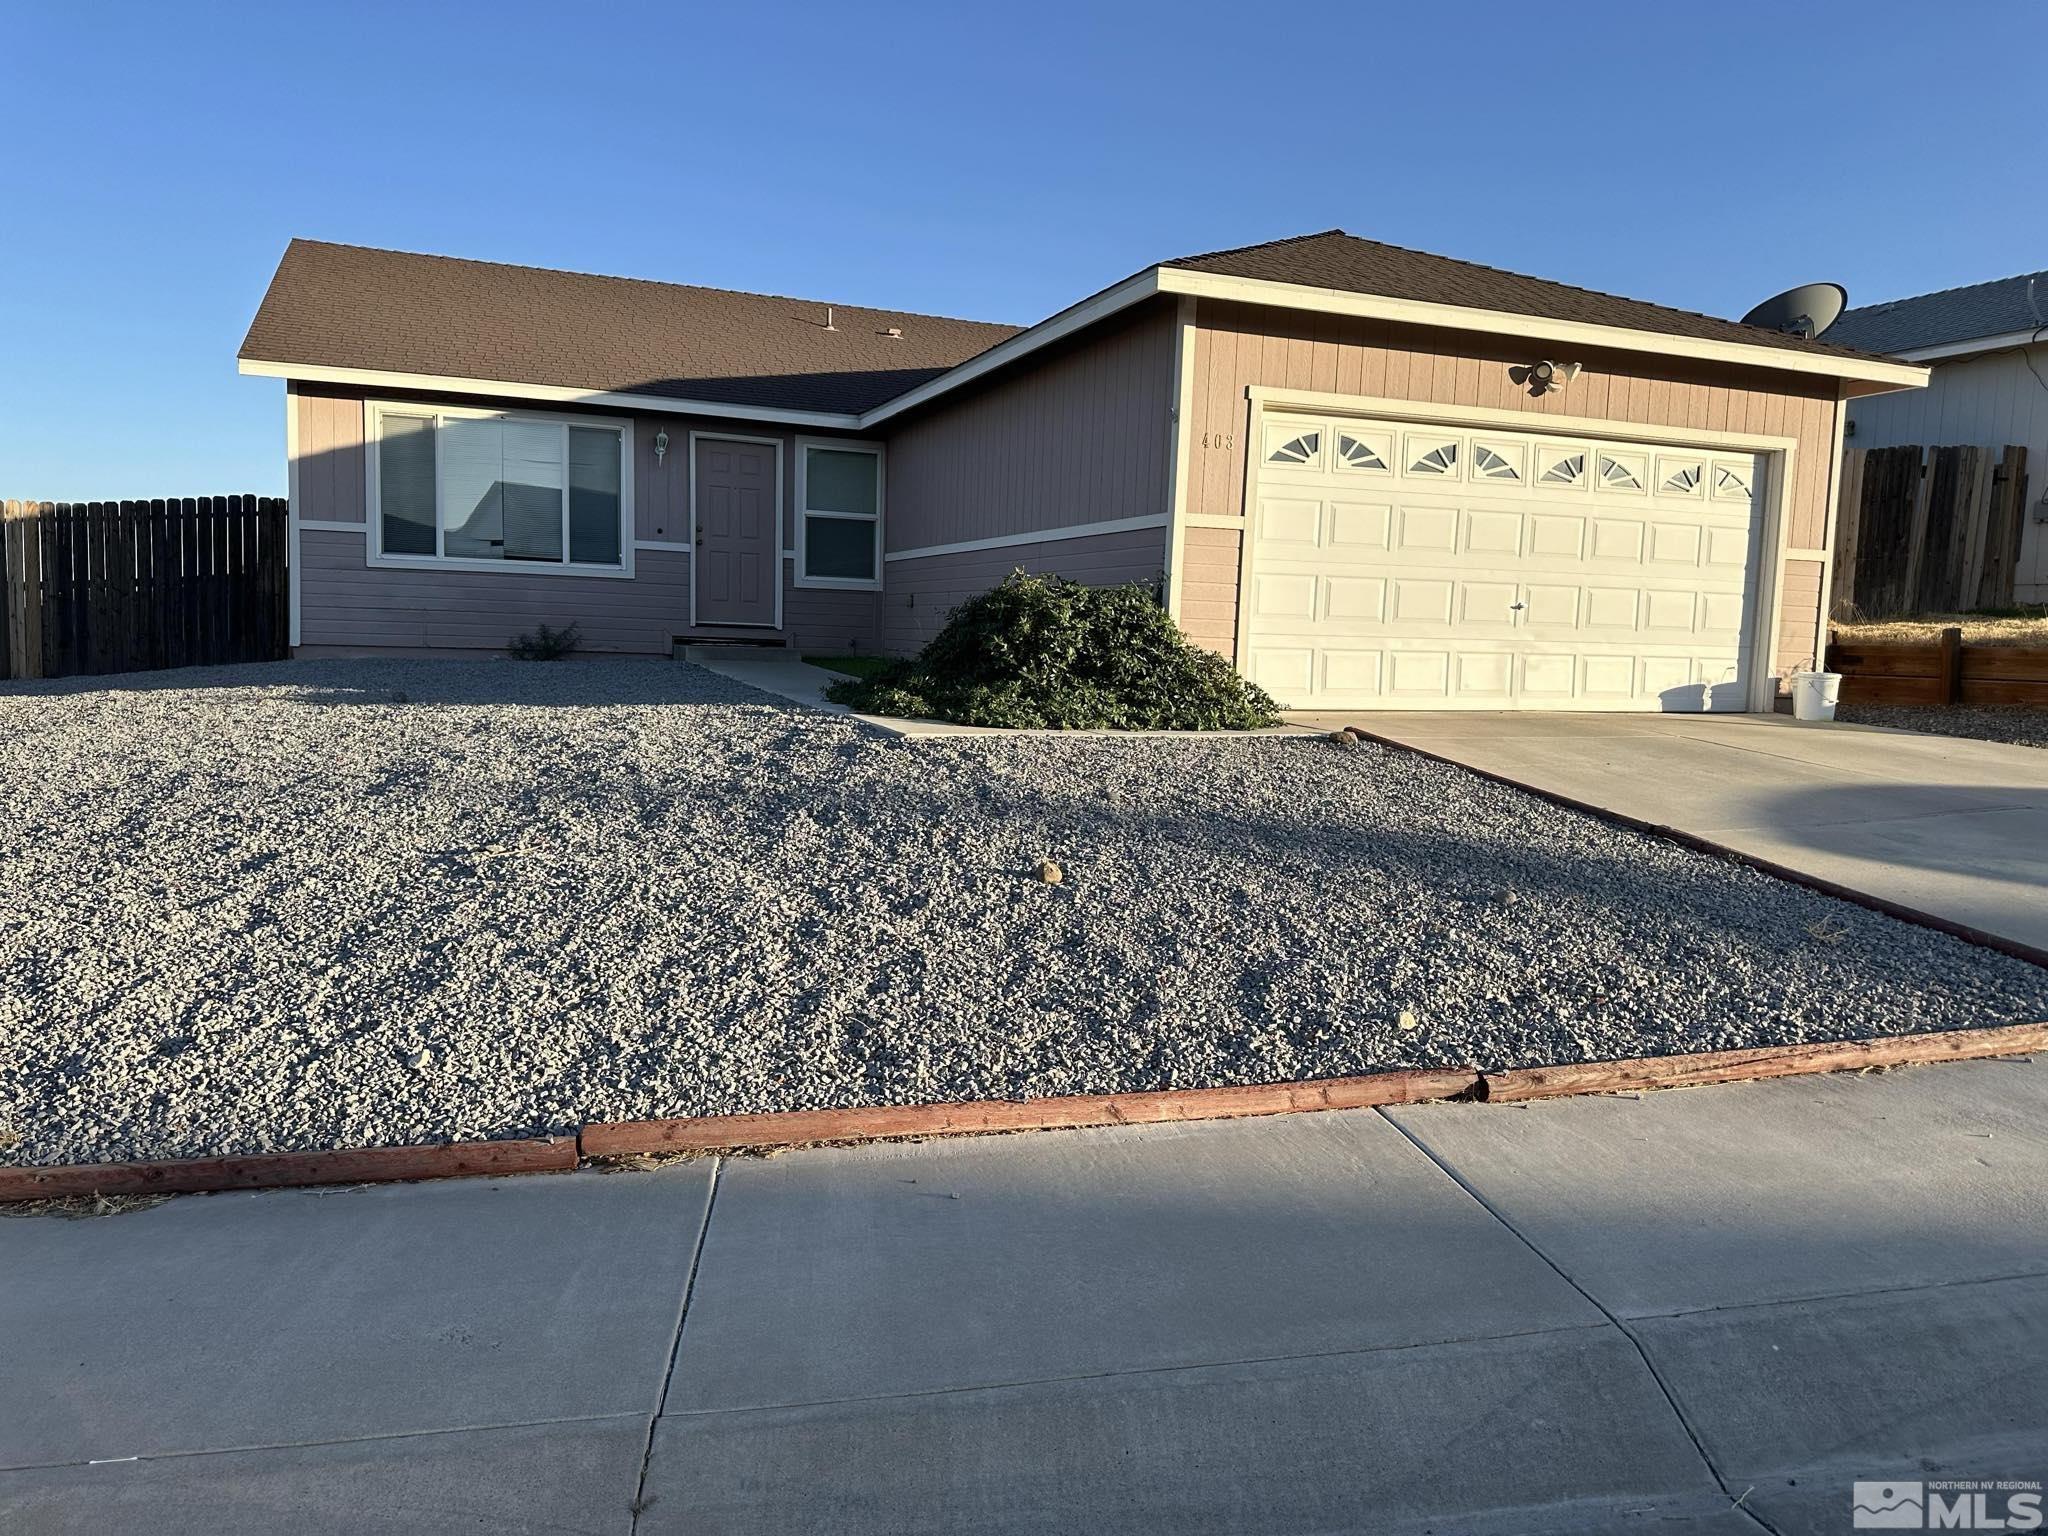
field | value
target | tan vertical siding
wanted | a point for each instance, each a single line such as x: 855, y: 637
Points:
x: 331, y: 461
x: 1083, y: 437
x: 1237, y: 346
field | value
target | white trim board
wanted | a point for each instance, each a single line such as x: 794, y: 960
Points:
x: 1040, y: 536
x: 291, y: 515
x: 317, y: 525
x: 1280, y: 398
x: 664, y: 545
x: 1183, y: 448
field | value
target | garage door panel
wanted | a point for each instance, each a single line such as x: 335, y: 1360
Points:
x: 1488, y: 532
x: 1429, y: 530
x: 1355, y: 525
x: 1487, y: 604
x: 1422, y: 600
x: 1285, y: 522
x: 1407, y: 565
x: 1355, y: 599
x: 1418, y: 674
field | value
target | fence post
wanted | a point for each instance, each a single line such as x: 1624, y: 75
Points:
x: 1951, y: 666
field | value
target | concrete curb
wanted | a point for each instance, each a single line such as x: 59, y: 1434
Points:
x: 795, y: 1128
x: 2019, y: 950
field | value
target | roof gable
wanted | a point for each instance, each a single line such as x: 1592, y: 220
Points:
x: 1334, y: 259
x: 345, y: 306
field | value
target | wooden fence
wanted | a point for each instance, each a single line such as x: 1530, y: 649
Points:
x: 1943, y: 672
x: 122, y: 586
x: 1928, y: 530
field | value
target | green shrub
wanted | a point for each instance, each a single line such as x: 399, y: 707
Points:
x: 1041, y: 651
x: 545, y: 644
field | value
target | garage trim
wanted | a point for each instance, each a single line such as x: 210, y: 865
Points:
x: 1772, y: 552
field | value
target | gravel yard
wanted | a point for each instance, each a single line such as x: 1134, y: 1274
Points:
x: 353, y: 903
x: 1984, y: 722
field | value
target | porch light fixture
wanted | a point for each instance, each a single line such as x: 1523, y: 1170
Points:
x: 660, y: 445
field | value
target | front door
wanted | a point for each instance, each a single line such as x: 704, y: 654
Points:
x: 737, y: 559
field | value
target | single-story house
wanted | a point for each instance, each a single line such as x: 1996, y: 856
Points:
x: 1369, y: 476
x: 1987, y: 347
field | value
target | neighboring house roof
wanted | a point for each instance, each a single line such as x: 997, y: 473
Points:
x: 1981, y: 311
x: 1344, y: 262
x: 348, y: 306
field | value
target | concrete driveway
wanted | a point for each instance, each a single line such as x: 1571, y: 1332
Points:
x: 1954, y: 827
x: 1700, y: 1312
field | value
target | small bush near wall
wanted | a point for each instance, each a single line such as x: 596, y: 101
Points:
x: 545, y: 644
x: 1044, y: 652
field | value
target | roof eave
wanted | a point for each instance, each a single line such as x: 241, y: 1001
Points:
x: 506, y: 389
x: 1883, y: 374
x: 1969, y: 347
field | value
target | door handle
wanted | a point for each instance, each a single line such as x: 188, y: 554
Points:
x: 700, y: 530
x: 1516, y: 607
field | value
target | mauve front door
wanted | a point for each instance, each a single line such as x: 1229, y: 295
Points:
x: 738, y: 557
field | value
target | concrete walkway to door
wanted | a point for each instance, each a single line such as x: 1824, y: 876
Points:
x: 1952, y: 827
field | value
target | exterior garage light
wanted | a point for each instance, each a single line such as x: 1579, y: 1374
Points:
x: 1546, y: 376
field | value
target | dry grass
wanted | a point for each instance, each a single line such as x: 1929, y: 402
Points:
x: 2006, y: 627
x: 82, y: 1207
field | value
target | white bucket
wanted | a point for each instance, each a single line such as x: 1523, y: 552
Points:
x: 1814, y: 694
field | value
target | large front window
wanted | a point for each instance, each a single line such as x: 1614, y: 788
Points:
x: 839, y: 514
x: 501, y: 490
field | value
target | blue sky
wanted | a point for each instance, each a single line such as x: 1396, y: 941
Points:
x: 992, y: 162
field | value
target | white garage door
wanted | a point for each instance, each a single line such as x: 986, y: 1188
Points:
x: 1397, y: 565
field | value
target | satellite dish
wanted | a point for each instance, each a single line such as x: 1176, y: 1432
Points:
x: 1805, y: 311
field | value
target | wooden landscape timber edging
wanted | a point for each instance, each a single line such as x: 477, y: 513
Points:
x: 1940, y: 672
x: 1928, y: 530
x: 287, y: 1170
x: 798, y: 1128
x: 1684, y: 1070
x: 714, y: 1133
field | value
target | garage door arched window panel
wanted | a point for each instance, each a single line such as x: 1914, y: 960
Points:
x: 838, y: 514
x: 1497, y: 461
x: 1367, y: 451
x: 1561, y: 466
x: 1733, y: 480
x: 1681, y: 477
x: 1292, y: 448
x: 1436, y: 457
x: 1622, y: 472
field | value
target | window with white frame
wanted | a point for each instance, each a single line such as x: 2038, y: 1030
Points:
x: 839, y: 514
x: 501, y: 489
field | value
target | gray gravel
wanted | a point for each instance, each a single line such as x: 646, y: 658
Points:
x: 354, y: 903
x: 1985, y: 722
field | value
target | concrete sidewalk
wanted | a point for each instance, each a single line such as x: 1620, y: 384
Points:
x: 1593, y: 1315
x: 1954, y: 827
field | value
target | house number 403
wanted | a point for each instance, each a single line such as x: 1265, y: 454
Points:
x: 1218, y: 439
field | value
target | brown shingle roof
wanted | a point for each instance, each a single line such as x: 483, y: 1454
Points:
x: 1334, y: 259
x: 347, y: 306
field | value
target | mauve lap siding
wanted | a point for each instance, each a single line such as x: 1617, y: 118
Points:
x: 922, y: 591
x: 1083, y: 437
x: 344, y: 602
x: 1240, y: 345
